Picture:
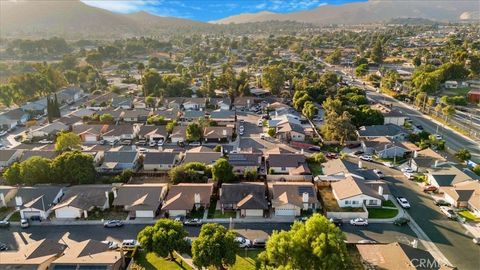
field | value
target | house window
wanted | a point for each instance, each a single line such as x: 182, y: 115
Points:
x: 347, y: 202
x: 354, y: 202
x: 372, y: 202
x: 283, y: 168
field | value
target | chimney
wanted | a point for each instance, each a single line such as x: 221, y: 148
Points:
x: 305, y: 200
x: 115, y: 193
x: 415, y: 154
x: 360, y: 164
x: 301, y: 151
x: 224, y: 132
x: 196, y: 199
x: 436, y: 164
x: 2, y: 200
x: 380, y: 190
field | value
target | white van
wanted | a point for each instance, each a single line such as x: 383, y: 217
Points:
x: 129, y: 244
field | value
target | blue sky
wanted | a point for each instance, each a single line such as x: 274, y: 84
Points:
x: 207, y: 10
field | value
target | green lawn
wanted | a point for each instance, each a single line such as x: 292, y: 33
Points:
x: 315, y: 168
x: 382, y: 213
x: 151, y: 261
x: 388, y: 204
x: 4, y: 211
x: 219, y: 214
x: 246, y: 260
x: 15, y: 217
x: 330, y: 203
x: 108, y: 214
x: 468, y: 216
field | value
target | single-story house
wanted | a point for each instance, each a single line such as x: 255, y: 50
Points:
x: 38, y: 153
x: 464, y: 195
x: 70, y: 94
x: 117, y: 161
x: 168, y: 115
x: 141, y: 201
x: 353, y: 192
x: 389, y: 130
x: 201, y: 154
x: 160, y: 161
x: 192, y: 115
x: 245, y: 161
x: 290, y: 132
x: 249, y: 199
x: 77, y: 201
x: 290, y: 198
x: 426, y: 159
x: 9, y: 156
x: 13, y: 118
x: 90, y: 133
x: 340, y: 169
x: 284, y: 162
x: 121, y: 132
x: 174, y: 103
x: 385, y: 147
x: 178, y: 134
x: 124, y: 102
x: 194, y: 104
x: 89, y: 254
x: 37, y: 201
x: 185, y: 197
x: 152, y: 133
x: 445, y: 176
x: 390, y: 115
x: 34, y: 255
x: 135, y: 115
x: 48, y: 130
x: 217, y: 134
x: 222, y: 116
x: 241, y: 103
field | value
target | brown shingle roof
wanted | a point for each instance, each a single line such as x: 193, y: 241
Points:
x: 292, y: 193
x: 182, y: 196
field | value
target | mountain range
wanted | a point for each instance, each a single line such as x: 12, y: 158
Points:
x: 73, y: 18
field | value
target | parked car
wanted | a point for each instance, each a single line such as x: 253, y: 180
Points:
x: 112, y: 143
x: 476, y: 240
x: 126, y: 142
x: 129, y: 244
x: 141, y: 142
x: 438, y: 137
x: 24, y: 223
x: 181, y: 143
x: 357, y: 153
x: 366, y: 157
x: 401, y: 221
x: 315, y: 148
x: 160, y: 142
x: 113, y: 224
x: 193, y: 222
x: 379, y: 173
x: 241, y: 128
x: 180, y: 218
x: 302, y: 219
x: 259, y: 242
x: 4, y: 224
x: 260, y: 123
x: 407, y: 170
x: 111, y: 244
x: 403, y: 202
x: 243, y: 242
x: 419, y: 127
x: 45, y: 141
x: 152, y: 143
x: 142, y: 149
x: 442, y: 202
x: 366, y: 241
x: 195, y: 144
x: 448, y: 212
x: 337, y: 221
x: 359, y: 222
x: 429, y: 188
x: 262, y: 136
x: 3, y: 247
x: 241, y: 132
x: 331, y: 155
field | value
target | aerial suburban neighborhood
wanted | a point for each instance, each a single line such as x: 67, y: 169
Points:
x: 302, y: 137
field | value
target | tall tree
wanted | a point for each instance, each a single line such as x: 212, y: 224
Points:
x: 193, y: 132
x: 273, y: 78
x: 73, y: 167
x: 214, y: 247
x: 316, y: 244
x: 163, y: 238
x: 222, y: 171
x: 67, y: 141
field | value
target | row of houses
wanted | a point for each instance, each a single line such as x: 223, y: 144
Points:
x: 249, y: 199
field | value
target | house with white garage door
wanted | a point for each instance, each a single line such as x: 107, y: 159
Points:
x: 141, y: 201
x: 37, y: 201
x: 248, y: 199
x: 290, y: 198
x: 184, y: 197
x: 79, y: 200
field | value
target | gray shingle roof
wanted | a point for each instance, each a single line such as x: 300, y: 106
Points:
x: 244, y: 195
x: 381, y: 130
x: 159, y: 158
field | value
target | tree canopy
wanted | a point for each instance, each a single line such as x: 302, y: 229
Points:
x: 67, y: 141
x: 164, y: 237
x: 222, y: 171
x: 214, y: 247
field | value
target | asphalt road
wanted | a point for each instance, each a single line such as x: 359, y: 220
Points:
x: 450, y: 237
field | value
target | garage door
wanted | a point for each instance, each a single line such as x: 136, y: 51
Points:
x: 67, y: 213
x: 29, y: 214
x: 285, y: 212
x: 253, y: 213
x: 144, y: 214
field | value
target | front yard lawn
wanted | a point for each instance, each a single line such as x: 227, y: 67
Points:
x: 468, y: 215
x: 108, y: 214
x: 330, y: 203
x: 382, y: 212
x: 4, y: 211
x: 388, y: 203
x: 219, y: 214
x: 246, y: 260
x: 15, y: 217
x: 151, y: 261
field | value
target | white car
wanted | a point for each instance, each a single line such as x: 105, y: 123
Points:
x: 142, y: 149
x: 130, y: 244
x: 262, y: 136
x: 111, y: 244
x: 152, y: 144
x: 359, y: 222
x: 438, y: 137
x: 195, y: 144
x: 366, y: 157
x: 24, y: 223
x: 407, y: 170
x: 45, y: 141
x: 241, y: 128
x: 403, y: 202
x: 161, y: 142
x: 260, y: 123
x: 243, y: 242
x: 378, y: 173
x: 448, y: 211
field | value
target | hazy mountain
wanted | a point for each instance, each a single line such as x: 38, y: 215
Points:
x: 368, y: 12
x: 73, y: 18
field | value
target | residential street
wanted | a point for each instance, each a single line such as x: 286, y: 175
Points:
x: 449, y: 236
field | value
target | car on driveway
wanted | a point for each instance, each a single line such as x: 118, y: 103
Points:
x: 129, y: 244
x: 331, y: 155
x: 429, y: 188
x: 366, y: 157
x: 366, y: 241
x: 24, y: 223
x: 448, y: 211
x: 315, y: 148
x: 407, y: 170
x: 337, y: 221
x: 243, y: 242
x: 441, y: 202
x: 476, y: 240
x: 359, y: 222
x: 4, y: 224
x: 111, y: 244
x: 113, y: 224
x: 195, y: 144
x: 3, y: 247
x: 403, y: 202
x: 193, y: 222
x: 379, y: 173
x: 401, y: 221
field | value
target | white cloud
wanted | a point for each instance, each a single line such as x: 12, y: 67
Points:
x: 125, y: 6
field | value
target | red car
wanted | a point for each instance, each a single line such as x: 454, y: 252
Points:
x: 430, y: 189
x: 332, y: 155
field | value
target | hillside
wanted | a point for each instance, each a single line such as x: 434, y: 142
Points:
x: 72, y: 18
x: 368, y: 12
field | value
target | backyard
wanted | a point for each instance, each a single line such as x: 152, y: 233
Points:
x: 151, y: 261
